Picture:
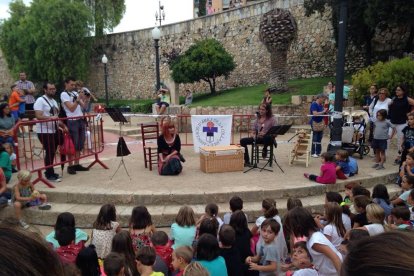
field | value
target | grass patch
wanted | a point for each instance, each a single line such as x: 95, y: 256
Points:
x: 253, y: 95
x: 239, y: 96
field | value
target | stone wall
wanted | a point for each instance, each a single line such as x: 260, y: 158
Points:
x: 131, y: 55
x: 6, y: 79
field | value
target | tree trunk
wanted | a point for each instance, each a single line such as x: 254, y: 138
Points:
x: 278, y: 74
x: 212, y: 85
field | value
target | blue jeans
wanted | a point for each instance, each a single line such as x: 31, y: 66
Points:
x: 317, y: 142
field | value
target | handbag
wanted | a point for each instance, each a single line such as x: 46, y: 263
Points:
x: 68, y: 148
x: 317, y: 127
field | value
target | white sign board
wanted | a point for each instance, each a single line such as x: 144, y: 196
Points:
x: 211, y: 130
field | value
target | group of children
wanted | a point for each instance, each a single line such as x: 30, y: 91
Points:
x: 300, y: 243
x: 340, y: 166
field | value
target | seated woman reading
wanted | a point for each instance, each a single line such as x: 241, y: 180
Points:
x: 169, y: 146
x: 264, y: 122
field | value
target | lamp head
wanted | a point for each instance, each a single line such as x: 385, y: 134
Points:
x: 104, y: 59
x: 156, y: 33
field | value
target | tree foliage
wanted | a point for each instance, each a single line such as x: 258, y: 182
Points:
x: 49, y: 39
x: 364, y: 17
x: 384, y: 74
x: 106, y: 13
x: 205, y: 60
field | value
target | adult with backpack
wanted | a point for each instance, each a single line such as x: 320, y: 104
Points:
x: 47, y: 108
x: 72, y: 105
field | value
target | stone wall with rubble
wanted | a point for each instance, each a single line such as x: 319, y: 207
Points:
x: 131, y: 55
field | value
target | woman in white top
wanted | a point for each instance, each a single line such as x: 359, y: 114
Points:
x: 382, y: 102
x: 376, y: 216
x: 326, y: 258
x: 334, y: 230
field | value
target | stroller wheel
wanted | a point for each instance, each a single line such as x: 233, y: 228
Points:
x: 365, y: 149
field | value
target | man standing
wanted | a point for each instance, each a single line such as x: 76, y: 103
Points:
x: 73, y: 104
x: 29, y: 89
x: 47, y: 108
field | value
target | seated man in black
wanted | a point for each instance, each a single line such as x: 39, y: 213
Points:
x: 263, y: 123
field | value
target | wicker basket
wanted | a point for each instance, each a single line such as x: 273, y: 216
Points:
x: 221, y: 159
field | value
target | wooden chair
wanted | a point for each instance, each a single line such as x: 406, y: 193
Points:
x: 149, y: 135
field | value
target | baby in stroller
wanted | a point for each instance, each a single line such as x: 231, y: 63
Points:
x: 353, y: 133
x: 359, y: 129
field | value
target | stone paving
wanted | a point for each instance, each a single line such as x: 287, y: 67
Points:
x: 85, y: 192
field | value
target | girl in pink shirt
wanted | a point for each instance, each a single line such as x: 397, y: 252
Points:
x: 328, y: 170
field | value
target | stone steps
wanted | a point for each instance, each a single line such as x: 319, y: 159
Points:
x: 85, y: 205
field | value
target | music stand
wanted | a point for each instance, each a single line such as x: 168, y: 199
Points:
x: 122, y: 149
x: 275, y: 131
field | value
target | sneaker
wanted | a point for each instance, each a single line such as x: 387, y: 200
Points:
x: 315, y: 155
x: 23, y: 224
x: 80, y: 168
x: 54, y: 178
x: 375, y: 166
x: 306, y: 175
x: 380, y: 167
x: 45, y: 206
x: 71, y: 170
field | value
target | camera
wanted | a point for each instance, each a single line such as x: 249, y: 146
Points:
x: 75, y: 98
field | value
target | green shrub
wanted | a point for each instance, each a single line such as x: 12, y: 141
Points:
x: 384, y: 74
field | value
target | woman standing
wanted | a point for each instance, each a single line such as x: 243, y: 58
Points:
x: 169, y: 147
x: 316, y: 110
x: 6, y: 124
x: 382, y: 102
x: 398, y: 111
x: 264, y: 122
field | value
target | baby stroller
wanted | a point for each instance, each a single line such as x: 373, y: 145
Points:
x: 353, y: 132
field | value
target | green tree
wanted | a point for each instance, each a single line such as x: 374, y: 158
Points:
x: 364, y: 17
x: 106, y: 13
x: 11, y: 34
x: 52, y: 40
x: 205, y: 60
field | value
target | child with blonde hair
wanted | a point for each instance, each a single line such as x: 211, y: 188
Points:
x: 181, y: 258
x: 376, y: 216
x: 25, y: 195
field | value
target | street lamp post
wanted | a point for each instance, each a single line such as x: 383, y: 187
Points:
x: 105, y: 61
x: 340, y: 74
x: 156, y: 34
x: 160, y: 14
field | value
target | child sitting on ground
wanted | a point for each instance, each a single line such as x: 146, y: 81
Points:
x: 114, y: 264
x: 236, y: 204
x: 407, y: 185
x: 227, y: 239
x: 400, y: 218
x: 328, y: 170
x: 145, y: 260
x: 353, y: 166
x: 162, y: 246
x: 267, y: 257
x: 181, y: 257
x: 211, y: 211
x: 68, y: 250
x: 9, y: 149
x: 302, y: 261
x: 25, y: 195
x: 360, y: 205
x: 376, y: 217
x: 342, y: 166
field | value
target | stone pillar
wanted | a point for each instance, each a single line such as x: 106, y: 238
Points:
x: 174, y: 91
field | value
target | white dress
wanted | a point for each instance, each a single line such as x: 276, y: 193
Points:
x: 322, y: 263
